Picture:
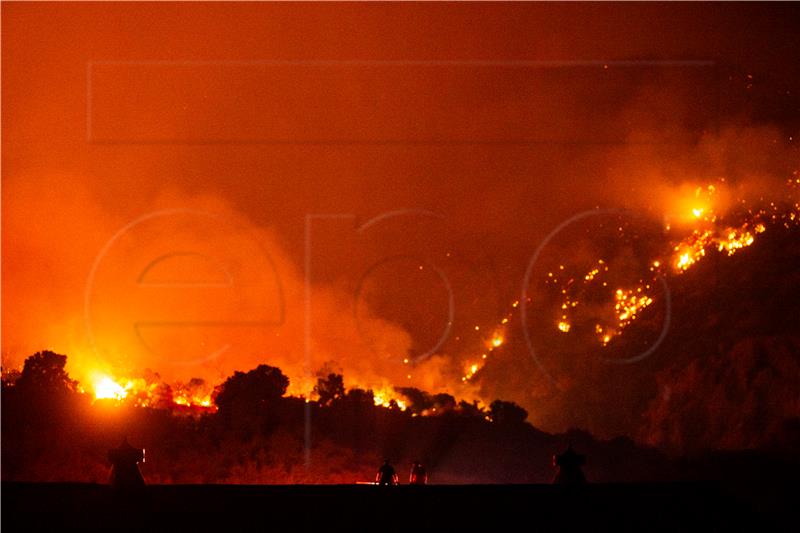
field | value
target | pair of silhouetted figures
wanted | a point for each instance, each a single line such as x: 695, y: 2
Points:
x: 387, y: 476
x: 567, y: 464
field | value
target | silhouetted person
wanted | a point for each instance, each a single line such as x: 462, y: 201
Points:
x: 386, y: 474
x: 418, y: 475
x: 125, y: 470
x: 568, y: 465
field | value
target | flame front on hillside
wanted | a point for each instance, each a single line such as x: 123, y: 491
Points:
x: 699, y: 229
x: 707, y: 230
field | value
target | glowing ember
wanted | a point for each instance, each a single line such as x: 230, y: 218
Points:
x: 628, y: 304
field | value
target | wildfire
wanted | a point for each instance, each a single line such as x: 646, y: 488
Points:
x: 186, y: 398
x: 725, y: 238
x: 188, y: 402
x: 106, y: 388
x: 691, y: 249
x: 707, y: 231
x: 140, y: 392
x: 385, y: 396
x: 497, y: 340
x: 736, y: 240
x: 699, y: 230
x: 628, y: 303
x: 685, y: 260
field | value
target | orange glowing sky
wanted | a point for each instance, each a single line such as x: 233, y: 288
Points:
x: 164, y: 166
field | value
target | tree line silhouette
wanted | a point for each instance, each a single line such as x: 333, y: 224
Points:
x: 53, y: 432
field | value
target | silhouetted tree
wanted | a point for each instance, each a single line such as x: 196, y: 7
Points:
x: 360, y: 397
x: 250, y: 393
x: 507, y: 412
x: 330, y: 389
x: 470, y: 409
x: 44, y: 373
x: 444, y: 402
x: 258, y: 434
x: 418, y: 400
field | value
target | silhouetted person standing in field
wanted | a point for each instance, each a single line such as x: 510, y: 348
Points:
x: 568, y: 465
x: 125, y: 470
x: 418, y: 475
x: 386, y: 474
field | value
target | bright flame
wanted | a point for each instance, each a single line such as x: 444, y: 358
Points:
x: 735, y: 240
x: 106, y: 388
x: 192, y: 400
x: 143, y: 393
x: 383, y: 398
x: 692, y: 249
x: 380, y: 399
x: 684, y: 261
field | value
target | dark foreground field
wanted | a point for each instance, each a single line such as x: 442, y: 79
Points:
x: 194, y: 508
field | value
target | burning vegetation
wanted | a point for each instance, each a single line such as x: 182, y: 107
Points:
x: 702, y: 229
x: 254, y: 433
x: 697, y: 227
x: 143, y: 393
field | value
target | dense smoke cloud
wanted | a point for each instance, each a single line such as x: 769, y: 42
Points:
x: 192, y: 292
